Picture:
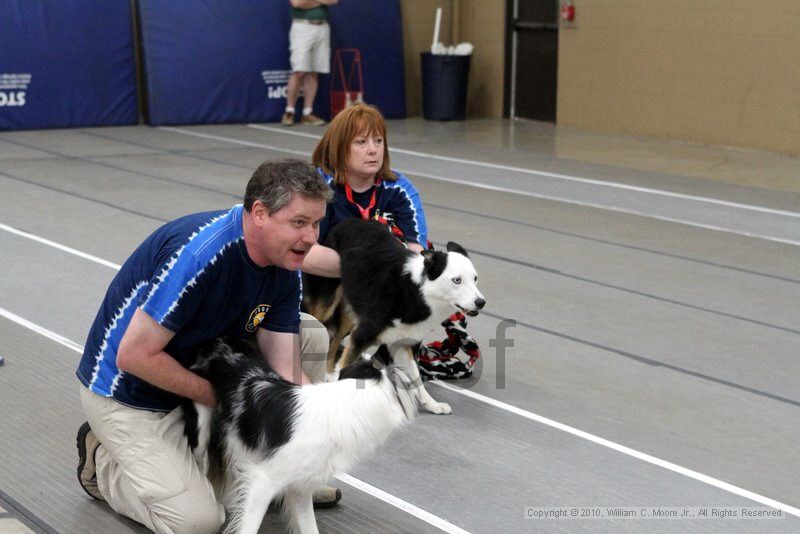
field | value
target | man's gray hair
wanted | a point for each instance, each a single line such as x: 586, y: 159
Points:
x: 273, y: 183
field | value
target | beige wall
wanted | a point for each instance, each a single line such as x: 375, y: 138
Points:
x: 481, y: 22
x: 712, y: 71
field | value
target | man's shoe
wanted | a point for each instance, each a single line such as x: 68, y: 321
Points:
x: 312, y: 120
x: 87, y: 449
x: 326, y: 497
x: 288, y: 118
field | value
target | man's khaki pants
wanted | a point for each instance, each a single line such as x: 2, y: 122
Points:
x: 145, y: 469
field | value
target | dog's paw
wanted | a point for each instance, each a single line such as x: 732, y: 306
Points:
x: 439, y: 408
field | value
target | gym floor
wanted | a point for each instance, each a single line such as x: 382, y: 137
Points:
x: 640, y: 342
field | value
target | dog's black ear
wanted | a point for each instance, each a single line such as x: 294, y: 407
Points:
x: 435, y: 263
x: 455, y: 247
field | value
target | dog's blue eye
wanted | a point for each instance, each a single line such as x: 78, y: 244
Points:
x: 457, y: 280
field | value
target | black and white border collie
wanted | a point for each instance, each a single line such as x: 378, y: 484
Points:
x: 267, y: 437
x: 390, y: 295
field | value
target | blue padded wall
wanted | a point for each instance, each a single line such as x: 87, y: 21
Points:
x: 212, y: 61
x: 66, y: 63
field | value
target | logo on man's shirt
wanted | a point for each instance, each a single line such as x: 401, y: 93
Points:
x: 256, y: 317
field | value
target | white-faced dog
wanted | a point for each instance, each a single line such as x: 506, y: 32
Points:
x: 390, y: 295
x: 267, y: 437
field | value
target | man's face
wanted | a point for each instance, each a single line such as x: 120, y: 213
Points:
x: 285, y: 237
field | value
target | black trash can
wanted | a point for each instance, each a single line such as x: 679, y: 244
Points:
x: 444, y: 86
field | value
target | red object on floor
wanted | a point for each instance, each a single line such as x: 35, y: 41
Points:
x: 347, y: 84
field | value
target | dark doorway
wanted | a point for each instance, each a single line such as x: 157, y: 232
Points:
x: 532, y: 52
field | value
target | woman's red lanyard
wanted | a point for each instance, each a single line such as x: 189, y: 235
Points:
x: 364, y: 211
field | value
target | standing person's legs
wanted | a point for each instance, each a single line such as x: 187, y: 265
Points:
x: 309, y: 93
x: 301, y: 42
x: 310, y: 84
x: 319, y: 62
x: 145, y: 469
x: 296, y: 81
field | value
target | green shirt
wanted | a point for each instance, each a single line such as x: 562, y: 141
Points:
x: 315, y: 13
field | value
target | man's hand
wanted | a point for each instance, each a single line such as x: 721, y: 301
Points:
x: 141, y: 353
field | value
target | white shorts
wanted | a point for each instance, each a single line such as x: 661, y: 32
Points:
x: 310, y: 47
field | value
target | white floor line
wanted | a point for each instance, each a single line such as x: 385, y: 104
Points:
x: 488, y: 400
x: 542, y: 196
x: 232, y: 140
x: 407, y: 507
x: 49, y: 334
x: 614, y: 209
x: 59, y: 246
x: 625, y: 450
x: 286, y: 131
x: 560, y: 176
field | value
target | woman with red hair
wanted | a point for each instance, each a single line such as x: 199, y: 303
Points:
x: 353, y: 157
